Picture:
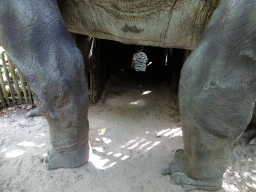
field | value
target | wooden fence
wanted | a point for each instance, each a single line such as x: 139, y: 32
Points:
x: 13, y: 88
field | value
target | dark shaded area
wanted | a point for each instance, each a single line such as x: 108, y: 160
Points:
x: 166, y: 63
x: 104, y: 57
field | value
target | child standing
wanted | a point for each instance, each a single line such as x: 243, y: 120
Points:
x: 139, y: 63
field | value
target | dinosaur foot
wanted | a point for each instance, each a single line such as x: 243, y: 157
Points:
x: 178, y: 176
x: 33, y: 113
x: 67, y: 159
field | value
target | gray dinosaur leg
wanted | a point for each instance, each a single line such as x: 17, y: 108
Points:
x: 35, y: 36
x: 217, y: 96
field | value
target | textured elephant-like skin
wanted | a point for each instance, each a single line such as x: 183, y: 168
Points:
x: 216, y: 94
x: 35, y: 36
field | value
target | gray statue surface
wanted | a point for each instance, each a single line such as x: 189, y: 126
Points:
x: 216, y: 93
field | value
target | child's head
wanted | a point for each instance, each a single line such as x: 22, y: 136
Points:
x: 139, y: 48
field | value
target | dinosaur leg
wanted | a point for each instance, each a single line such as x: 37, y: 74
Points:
x: 35, y: 36
x: 217, y: 96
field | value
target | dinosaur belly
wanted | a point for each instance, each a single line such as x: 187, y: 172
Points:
x: 160, y: 23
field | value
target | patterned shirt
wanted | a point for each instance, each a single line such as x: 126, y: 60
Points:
x: 140, y: 61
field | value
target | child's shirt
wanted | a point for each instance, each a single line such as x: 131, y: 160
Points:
x: 140, y: 61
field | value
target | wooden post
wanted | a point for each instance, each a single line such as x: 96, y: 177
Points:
x: 14, y: 78
x: 91, y: 85
x: 8, y: 78
x: 95, y: 73
x: 2, y: 98
x: 187, y: 53
x: 23, y: 86
x: 94, y: 84
x: 29, y: 93
x: 3, y: 88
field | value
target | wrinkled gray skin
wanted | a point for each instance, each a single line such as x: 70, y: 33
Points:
x: 217, y: 92
x: 35, y: 36
x: 217, y: 95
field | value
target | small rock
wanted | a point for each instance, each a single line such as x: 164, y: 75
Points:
x: 101, y: 131
x: 29, y: 107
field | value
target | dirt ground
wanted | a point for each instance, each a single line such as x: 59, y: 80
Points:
x: 143, y: 131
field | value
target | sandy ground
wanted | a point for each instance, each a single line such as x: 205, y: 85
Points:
x: 142, y: 133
